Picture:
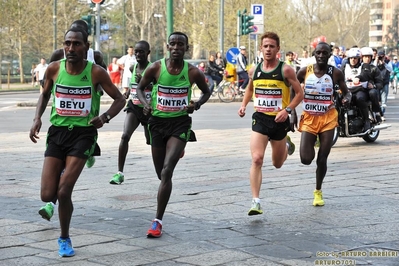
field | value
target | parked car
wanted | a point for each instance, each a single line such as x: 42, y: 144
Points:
x: 195, y: 62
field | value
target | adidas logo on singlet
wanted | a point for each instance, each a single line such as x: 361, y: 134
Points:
x: 84, y: 78
x: 182, y: 78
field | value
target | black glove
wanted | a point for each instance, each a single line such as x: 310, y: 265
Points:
x: 346, y: 99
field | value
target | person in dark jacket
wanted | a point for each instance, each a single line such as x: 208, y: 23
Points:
x: 385, y: 67
x: 213, y: 71
x: 242, y: 72
x: 220, y: 62
x: 374, y: 76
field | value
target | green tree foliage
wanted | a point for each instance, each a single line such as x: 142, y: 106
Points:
x: 392, y: 38
x: 26, y: 26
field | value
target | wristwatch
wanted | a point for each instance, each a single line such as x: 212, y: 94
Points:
x: 107, y: 117
x: 288, y: 110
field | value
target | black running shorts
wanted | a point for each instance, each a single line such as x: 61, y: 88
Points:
x: 138, y: 112
x: 161, y: 129
x: 265, y: 125
x: 77, y: 141
x: 143, y: 119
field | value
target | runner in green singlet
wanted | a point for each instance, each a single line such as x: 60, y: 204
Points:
x: 170, y: 123
x: 75, y: 118
x: 134, y: 108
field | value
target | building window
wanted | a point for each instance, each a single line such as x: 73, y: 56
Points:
x: 388, y: 5
x: 377, y: 5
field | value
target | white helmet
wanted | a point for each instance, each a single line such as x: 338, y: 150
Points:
x: 366, y: 51
x: 354, y: 52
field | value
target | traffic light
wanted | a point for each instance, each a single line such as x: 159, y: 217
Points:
x: 88, y: 21
x: 246, y: 24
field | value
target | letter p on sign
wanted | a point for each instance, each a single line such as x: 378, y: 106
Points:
x: 257, y: 9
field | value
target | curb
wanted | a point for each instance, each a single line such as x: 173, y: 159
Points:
x: 106, y: 102
x: 18, y: 91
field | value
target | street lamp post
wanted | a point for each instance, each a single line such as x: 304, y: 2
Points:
x: 158, y: 16
x: 97, y: 29
x: 124, y: 48
x: 385, y: 49
x: 169, y: 16
x: 221, y: 26
x: 55, y: 25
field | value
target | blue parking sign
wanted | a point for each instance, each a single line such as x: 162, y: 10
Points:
x: 257, y: 9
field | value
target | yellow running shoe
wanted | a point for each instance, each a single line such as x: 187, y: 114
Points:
x: 317, y: 143
x: 318, y: 198
x: 255, y: 208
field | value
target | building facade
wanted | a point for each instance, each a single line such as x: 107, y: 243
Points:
x: 382, y: 17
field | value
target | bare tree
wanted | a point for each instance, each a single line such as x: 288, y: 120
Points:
x: 26, y: 26
x: 392, y: 38
x: 348, y: 20
x: 312, y: 14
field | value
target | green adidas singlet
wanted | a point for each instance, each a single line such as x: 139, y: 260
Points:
x: 172, y: 93
x: 75, y: 100
x: 133, y: 88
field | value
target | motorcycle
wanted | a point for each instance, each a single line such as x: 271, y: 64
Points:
x: 350, y: 120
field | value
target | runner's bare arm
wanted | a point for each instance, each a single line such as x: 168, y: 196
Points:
x: 101, y: 77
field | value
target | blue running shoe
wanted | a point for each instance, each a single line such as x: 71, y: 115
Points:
x: 66, y: 249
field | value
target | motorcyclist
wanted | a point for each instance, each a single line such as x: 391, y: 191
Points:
x: 362, y: 74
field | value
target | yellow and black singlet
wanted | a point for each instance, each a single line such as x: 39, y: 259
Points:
x: 270, y: 94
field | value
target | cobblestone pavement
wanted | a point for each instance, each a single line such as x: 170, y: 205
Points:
x: 206, y: 221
